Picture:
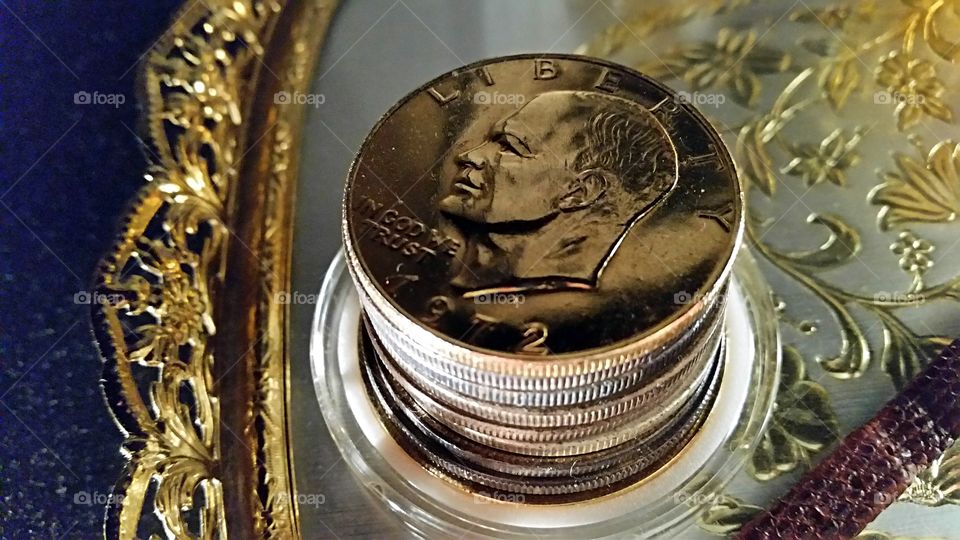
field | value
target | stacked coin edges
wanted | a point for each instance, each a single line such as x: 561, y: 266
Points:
x: 536, y: 479
x: 555, y: 428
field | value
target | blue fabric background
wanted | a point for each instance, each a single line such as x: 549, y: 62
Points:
x: 66, y: 172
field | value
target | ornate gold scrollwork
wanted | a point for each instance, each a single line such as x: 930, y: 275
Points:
x: 160, y: 311
x: 802, y: 108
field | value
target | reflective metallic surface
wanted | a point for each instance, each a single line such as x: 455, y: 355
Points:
x: 562, y: 299
x: 186, y: 316
x: 821, y: 97
x: 426, y: 500
x: 542, y: 204
x: 562, y: 478
x: 884, y: 334
x: 619, y: 423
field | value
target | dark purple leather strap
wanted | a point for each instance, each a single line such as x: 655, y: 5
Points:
x: 874, y: 464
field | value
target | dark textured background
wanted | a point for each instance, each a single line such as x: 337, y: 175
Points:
x: 66, y: 172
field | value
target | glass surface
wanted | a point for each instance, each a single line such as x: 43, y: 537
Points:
x: 850, y: 298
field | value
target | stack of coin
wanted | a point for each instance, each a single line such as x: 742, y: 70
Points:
x: 542, y: 246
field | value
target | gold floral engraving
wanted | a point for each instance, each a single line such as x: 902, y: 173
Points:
x: 727, y: 515
x: 644, y: 22
x: 921, y: 189
x: 877, y: 535
x: 734, y: 61
x: 803, y: 422
x: 914, y: 84
x: 939, y: 484
x: 158, y: 313
x: 827, y: 161
x: 812, y: 91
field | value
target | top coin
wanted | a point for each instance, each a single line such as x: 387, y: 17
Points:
x: 543, y: 204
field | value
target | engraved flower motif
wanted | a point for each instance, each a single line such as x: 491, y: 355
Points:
x: 937, y: 484
x: 168, y: 293
x: 827, y: 161
x: 803, y: 422
x: 914, y: 252
x: 926, y: 189
x: 733, y: 61
x: 752, y: 155
x: 833, y: 17
x: 914, y: 86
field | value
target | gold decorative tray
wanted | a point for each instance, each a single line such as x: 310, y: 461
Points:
x: 195, y: 341
x: 840, y: 115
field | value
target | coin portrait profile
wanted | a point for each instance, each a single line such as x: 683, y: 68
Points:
x: 546, y: 198
x: 543, y: 205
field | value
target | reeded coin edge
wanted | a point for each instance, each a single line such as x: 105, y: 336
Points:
x: 419, y: 453
x: 542, y: 375
x: 676, y: 381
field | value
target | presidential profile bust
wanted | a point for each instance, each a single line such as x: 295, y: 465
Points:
x: 547, y: 197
